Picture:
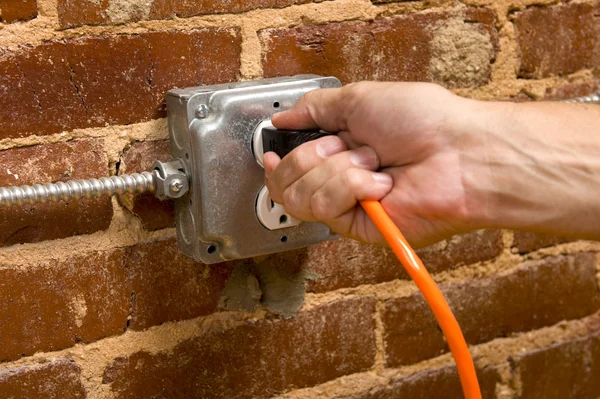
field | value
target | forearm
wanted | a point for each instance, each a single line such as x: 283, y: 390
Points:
x: 535, y: 166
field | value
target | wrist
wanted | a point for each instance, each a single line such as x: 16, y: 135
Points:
x: 484, y: 145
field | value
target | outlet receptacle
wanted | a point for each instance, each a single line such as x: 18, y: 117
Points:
x: 257, y: 142
x: 271, y: 214
x: 211, y: 130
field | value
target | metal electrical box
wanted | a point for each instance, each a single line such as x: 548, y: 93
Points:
x: 211, y: 129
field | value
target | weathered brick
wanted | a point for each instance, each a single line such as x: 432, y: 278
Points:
x: 572, y: 90
x: 465, y: 249
x: 72, y: 13
x: 17, y: 10
x: 348, y: 263
x: 567, y: 370
x: 55, y: 304
x: 117, y: 79
x: 50, y: 163
x: 152, y: 212
x: 169, y: 8
x: 397, y: 48
x: 429, y: 384
x: 558, y: 40
x: 537, y: 294
x: 524, y: 241
x: 168, y: 286
x: 256, y: 359
x: 58, y: 378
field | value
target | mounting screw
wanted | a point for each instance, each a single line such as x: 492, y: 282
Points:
x: 202, y: 111
x: 176, y: 186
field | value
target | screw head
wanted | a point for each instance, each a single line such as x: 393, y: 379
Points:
x: 202, y: 111
x: 175, y: 186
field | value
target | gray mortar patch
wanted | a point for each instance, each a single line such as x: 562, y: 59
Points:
x: 277, y: 288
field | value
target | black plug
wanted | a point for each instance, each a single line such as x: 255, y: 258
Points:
x: 282, y: 142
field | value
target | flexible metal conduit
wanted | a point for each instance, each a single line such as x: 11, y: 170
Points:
x: 76, y: 189
x: 592, y: 99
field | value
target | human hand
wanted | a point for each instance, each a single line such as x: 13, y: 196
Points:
x: 400, y: 143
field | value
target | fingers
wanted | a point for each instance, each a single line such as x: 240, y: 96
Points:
x: 327, y: 109
x: 332, y: 203
x: 280, y: 175
x: 297, y: 196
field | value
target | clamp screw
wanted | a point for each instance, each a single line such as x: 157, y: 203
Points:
x: 176, y: 186
x: 202, y: 111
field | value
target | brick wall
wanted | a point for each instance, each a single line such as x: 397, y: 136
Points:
x: 95, y: 299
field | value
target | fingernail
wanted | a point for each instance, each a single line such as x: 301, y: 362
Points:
x: 383, y: 178
x: 329, y: 147
x: 364, y: 157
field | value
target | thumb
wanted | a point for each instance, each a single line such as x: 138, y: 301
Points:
x: 325, y: 109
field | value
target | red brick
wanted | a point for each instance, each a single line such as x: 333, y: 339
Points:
x: 524, y: 241
x: 558, y: 40
x: 440, y: 383
x: 187, y: 8
x: 572, y: 90
x: 72, y: 13
x: 58, y: 378
x: 256, y: 359
x: 464, y: 249
x: 152, y: 212
x: 537, y: 294
x: 118, y: 79
x: 168, y: 286
x: 396, y: 48
x: 50, y: 163
x: 37, y: 93
x: 56, y: 304
x: 562, y: 371
x: 17, y: 10
x: 348, y: 263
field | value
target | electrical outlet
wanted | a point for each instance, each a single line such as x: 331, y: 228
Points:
x: 271, y: 214
x: 227, y: 212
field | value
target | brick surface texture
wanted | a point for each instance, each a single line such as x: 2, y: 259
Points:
x: 72, y: 13
x: 58, y: 378
x: 62, y: 85
x: 537, y: 294
x: 96, y: 299
x: 339, y: 338
x: 57, y: 304
x: 566, y: 370
x: 573, y: 28
x: 17, y: 10
x: 437, y: 383
x: 53, y: 163
x: 397, y: 48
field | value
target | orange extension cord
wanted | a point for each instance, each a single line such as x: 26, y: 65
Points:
x: 432, y: 294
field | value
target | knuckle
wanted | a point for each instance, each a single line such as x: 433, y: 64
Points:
x: 354, y: 91
x: 352, y: 179
x: 298, y: 160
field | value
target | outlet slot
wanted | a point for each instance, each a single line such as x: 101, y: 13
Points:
x: 271, y: 214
